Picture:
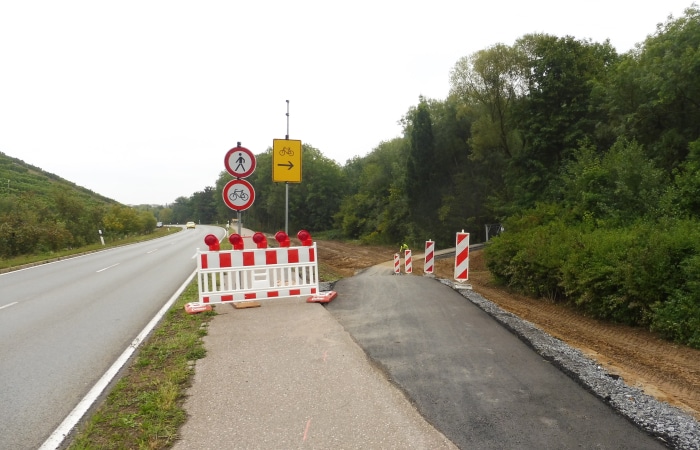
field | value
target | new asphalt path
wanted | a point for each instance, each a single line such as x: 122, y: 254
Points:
x: 394, y: 362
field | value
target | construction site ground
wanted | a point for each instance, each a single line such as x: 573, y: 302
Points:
x: 667, y: 371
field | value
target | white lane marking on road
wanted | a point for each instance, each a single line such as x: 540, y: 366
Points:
x: 8, y: 305
x: 57, y: 437
x: 108, y: 267
x: 155, y: 250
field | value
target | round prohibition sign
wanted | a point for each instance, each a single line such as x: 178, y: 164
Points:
x: 238, y: 195
x: 239, y: 162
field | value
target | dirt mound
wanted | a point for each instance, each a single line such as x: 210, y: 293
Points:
x: 667, y: 371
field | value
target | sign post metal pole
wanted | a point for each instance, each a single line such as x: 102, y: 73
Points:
x: 286, y: 185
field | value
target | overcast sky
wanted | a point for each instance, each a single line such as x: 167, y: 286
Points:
x: 140, y: 100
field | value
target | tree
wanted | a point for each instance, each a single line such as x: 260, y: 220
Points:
x: 557, y: 113
x: 165, y: 215
x: 420, y: 165
x: 616, y: 188
x: 204, y: 205
x: 664, y: 76
x: 182, y: 210
x: 375, y: 208
x: 682, y: 198
x: 491, y: 81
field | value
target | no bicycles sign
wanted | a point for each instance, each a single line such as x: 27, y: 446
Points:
x: 238, y: 195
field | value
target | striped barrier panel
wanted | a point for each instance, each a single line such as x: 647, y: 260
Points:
x: 262, y: 274
x: 397, y: 263
x: 408, y: 261
x: 462, y: 257
x: 429, y: 265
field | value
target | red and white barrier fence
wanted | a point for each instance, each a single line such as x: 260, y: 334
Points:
x: 429, y: 264
x: 265, y: 273
x: 462, y: 257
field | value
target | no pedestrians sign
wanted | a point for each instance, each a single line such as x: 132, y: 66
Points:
x: 240, y: 162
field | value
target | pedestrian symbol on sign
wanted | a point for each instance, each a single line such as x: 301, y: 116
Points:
x: 241, y: 163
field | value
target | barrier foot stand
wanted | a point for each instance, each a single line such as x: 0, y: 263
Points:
x: 322, y: 297
x: 244, y: 305
x: 461, y: 285
x: 196, y: 307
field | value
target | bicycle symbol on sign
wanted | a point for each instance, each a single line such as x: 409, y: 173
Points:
x: 238, y: 193
x: 286, y: 151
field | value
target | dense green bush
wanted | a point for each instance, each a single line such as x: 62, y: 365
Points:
x: 678, y: 318
x: 645, y: 274
x: 618, y: 274
x: 531, y: 262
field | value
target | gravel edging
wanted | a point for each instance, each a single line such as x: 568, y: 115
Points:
x: 673, y: 426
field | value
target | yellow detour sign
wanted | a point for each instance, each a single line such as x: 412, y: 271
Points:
x: 286, y: 161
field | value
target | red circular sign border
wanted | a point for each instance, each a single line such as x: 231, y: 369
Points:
x: 245, y: 205
x: 248, y: 172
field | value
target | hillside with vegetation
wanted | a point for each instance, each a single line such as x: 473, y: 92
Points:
x: 589, y: 160
x: 41, y: 213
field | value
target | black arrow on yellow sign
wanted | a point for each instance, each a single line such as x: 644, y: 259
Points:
x: 289, y: 165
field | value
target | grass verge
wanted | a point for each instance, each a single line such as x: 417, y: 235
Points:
x: 144, y: 410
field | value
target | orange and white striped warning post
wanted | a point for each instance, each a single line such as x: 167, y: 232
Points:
x: 397, y: 263
x: 462, y: 257
x: 429, y: 264
x: 408, y: 261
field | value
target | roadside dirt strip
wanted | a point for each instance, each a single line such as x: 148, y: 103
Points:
x: 669, y: 372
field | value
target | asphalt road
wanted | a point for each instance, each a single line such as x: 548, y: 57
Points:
x: 472, y: 379
x: 62, y: 325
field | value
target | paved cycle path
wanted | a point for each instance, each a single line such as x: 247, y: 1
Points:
x: 475, y: 381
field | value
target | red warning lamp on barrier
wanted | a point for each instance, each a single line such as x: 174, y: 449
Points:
x: 236, y: 241
x: 282, y: 238
x: 305, y: 238
x: 260, y: 240
x: 212, y: 241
